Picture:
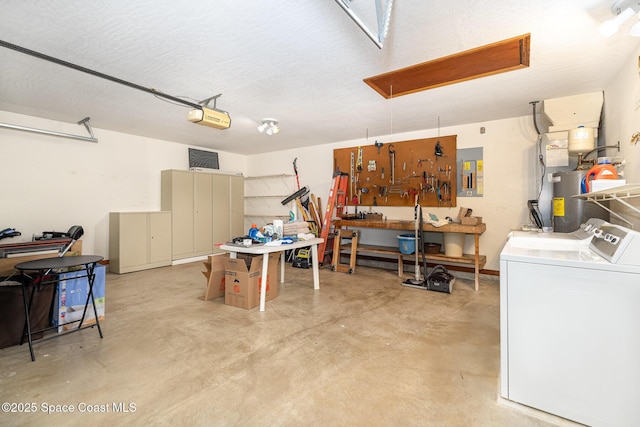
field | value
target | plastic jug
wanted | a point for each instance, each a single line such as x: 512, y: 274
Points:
x: 603, y: 171
x: 253, y: 232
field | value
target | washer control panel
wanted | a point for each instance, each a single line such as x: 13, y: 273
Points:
x: 616, y: 244
x: 588, y: 229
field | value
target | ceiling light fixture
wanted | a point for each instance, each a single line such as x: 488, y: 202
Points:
x: 269, y: 126
x: 623, y: 10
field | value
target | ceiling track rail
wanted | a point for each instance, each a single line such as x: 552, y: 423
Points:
x: 84, y: 122
x: 97, y: 74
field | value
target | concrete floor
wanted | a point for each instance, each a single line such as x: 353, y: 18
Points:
x: 362, y: 350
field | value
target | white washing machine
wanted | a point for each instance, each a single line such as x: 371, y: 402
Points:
x: 570, y: 323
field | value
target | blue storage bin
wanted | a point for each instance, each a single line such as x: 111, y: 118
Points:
x: 407, y: 243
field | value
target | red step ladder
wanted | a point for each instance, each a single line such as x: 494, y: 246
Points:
x: 337, y: 200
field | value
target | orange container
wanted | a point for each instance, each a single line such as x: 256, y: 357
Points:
x: 604, y: 171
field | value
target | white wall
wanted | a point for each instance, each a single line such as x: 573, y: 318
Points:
x: 622, y: 115
x: 51, y: 183
x: 509, y: 178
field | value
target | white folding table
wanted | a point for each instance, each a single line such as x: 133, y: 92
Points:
x: 265, y: 250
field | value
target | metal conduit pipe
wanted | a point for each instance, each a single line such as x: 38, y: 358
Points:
x: 53, y: 133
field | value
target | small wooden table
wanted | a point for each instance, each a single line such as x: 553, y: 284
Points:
x: 476, y: 259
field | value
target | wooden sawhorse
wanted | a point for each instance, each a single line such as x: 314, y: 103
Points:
x: 337, y: 241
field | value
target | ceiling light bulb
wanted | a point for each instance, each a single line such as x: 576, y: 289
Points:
x: 275, y: 129
x: 612, y: 26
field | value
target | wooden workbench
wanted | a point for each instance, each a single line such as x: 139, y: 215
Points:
x: 28, y: 251
x: 477, y: 260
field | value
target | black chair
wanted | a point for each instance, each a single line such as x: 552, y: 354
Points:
x: 74, y: 233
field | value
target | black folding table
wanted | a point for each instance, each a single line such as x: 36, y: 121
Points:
x: 46, y: 272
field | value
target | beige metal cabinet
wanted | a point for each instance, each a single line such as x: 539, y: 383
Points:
x: 207, y: 209
x: 221, y: 229
x: 139, y: 241
x: 189, y: 196
x: 177, y: 196
x: 203, y: 213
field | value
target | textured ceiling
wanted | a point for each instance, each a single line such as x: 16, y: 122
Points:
x: 300, y: 62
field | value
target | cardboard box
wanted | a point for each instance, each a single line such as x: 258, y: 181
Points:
x: 471, y: 220
x: 272, y: 277
x: 72, y: 296
x: 605, y: 184
x: 464, y: 212
x: 243, y: 280
x: 215, y: 276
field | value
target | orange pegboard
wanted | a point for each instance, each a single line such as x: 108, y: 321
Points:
x: 394, y: 173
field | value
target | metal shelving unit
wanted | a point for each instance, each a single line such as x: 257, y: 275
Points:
x: 263, y: 196
x: 619, y: 194
x: 263, y: 177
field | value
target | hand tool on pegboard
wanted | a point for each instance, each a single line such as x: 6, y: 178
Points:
x: 352, y: 175
x: 425, y: 160
x: 392, y: 161
x: 355, y: 197
x: 378, y: 145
